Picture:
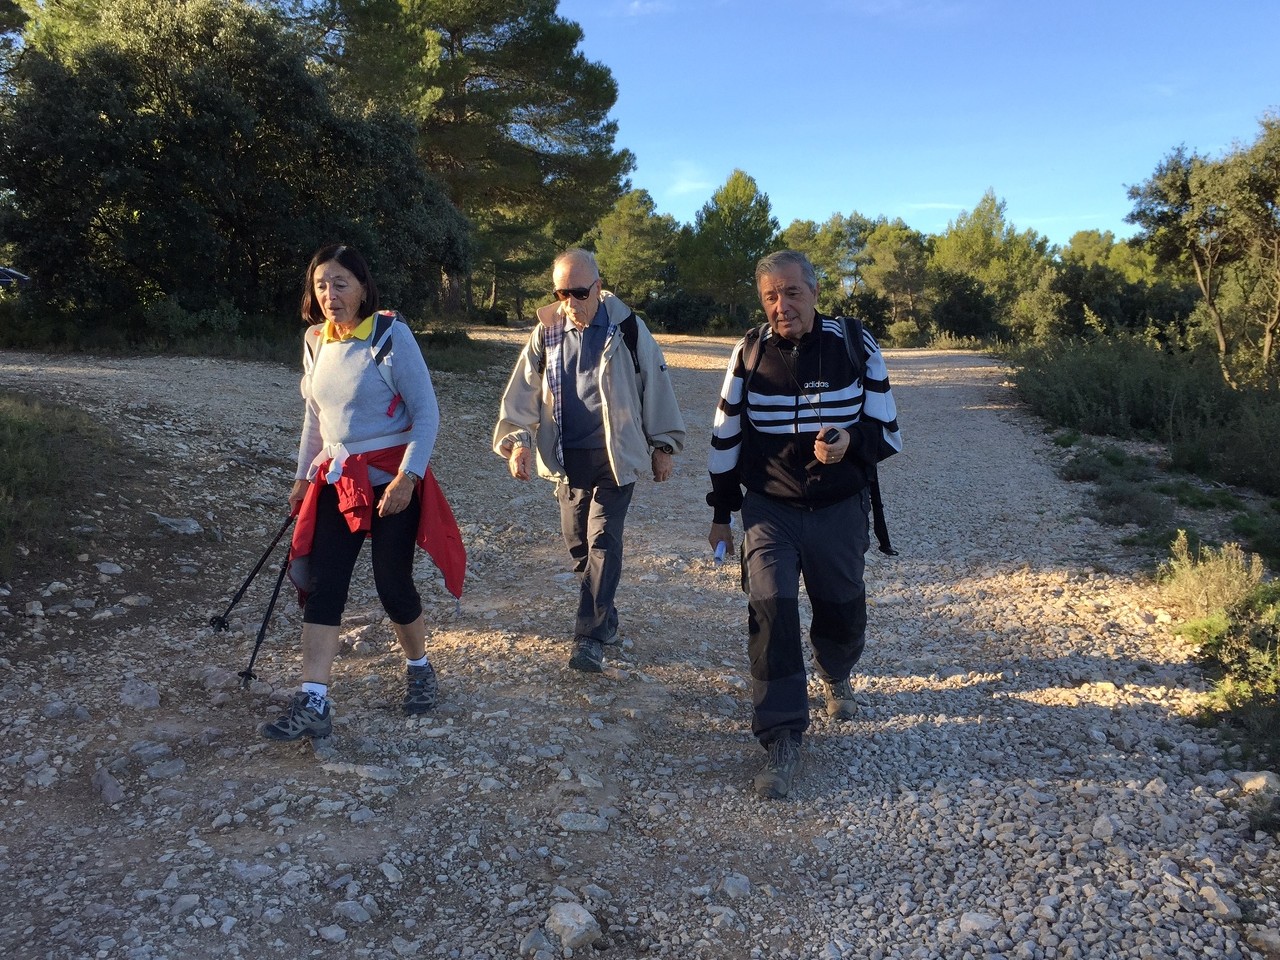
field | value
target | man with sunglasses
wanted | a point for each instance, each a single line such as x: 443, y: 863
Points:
x: 800, y: 424
x: 591, y: 407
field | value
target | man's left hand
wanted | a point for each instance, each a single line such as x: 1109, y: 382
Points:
x: 662, y: 466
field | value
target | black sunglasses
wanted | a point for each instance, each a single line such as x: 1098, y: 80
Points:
x: 578, y: 293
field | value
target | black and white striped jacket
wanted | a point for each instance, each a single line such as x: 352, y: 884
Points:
x: 765, y: 440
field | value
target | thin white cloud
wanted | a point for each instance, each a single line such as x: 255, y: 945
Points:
x: 919, y: 11
x: 1163, y: 91
x: 688, y: 178
x: 642, y: 8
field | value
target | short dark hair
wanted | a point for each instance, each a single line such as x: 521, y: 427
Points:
x: 348, y: 257
x: 781, y: 259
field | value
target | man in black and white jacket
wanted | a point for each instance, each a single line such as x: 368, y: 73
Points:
x: 800, y: 427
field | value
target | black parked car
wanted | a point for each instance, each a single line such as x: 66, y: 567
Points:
x: 12, y: 279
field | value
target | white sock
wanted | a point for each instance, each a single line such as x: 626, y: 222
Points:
x: 318, y: 694
x: 420, y: 662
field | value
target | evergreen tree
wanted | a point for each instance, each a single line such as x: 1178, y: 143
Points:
x: 635, y: 247
x: 832, y: 247
x: 191, y: 161
x: 1183, y: 220
x: 895, y: 267
x: 1006, y: 264
x: 1252, y: 188
x: 731, y: 232
x: 513, y: 120
x: 12, y: 21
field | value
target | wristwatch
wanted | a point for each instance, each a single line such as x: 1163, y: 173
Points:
x: 412, y: 476
x: 665, y: 448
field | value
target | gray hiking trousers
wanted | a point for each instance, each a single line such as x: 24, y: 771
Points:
x: 781, y: 544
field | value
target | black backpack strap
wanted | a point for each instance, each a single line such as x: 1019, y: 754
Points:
x: 541, y: 354
x: 381, y: 339
x: 855, y: 344
x: 630, y: 328
x: 857, y: 347
x: 877, y: 517
x: 752, y: 352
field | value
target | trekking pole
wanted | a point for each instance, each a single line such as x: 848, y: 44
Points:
x: 219, y: 623
x: 247, y: 675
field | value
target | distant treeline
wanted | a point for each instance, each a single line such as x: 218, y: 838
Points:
x: 166, y: 169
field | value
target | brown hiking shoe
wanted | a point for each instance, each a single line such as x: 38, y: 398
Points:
x: 588, y: 654
x: 840, y: 702
x: 773, y: 782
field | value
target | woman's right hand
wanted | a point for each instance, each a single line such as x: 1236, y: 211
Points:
x: 296, y: 496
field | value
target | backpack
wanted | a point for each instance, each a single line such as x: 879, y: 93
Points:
x: 379, y: 346
x: 856, y: 347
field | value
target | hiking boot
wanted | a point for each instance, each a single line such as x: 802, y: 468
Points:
x: 774, y: 779
x: 300, y: 720
x: 840, y: 702
x: 420, y: 689
x: 588, y: 654
x: 613, y: 639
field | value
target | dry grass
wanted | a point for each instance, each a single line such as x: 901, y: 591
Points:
x: 1204, y: 581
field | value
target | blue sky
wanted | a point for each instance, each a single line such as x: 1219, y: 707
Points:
x: 915, y: 108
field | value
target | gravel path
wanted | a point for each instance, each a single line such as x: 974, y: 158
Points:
x: 1019, y: 784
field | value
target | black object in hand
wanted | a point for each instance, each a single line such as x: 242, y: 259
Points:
x: 829, y: 435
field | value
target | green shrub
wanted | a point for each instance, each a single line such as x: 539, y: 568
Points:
x: 947, y: 340
x: 1197, y: 498
x: 221, y: 331
x: 39, y: 474
x: 1095, y: 463
x: 1158, y: 538
x: 1234, y: 619
x: 1066, y: 438
x: 1204, y: 581
x: 1118, y: 501
x: 905, y: 333
x: 1125, y: 387
x: 24, y: 325
x: 1261, y: 531
x: 443, y: 338
x: 1241, y: 649
x: 451, y: 349
x: 172, y: 322
x: 487, y: 316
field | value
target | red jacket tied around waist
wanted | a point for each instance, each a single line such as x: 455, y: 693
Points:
x: 438, y: 532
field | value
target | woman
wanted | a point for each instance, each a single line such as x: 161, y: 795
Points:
x: 367, y: 433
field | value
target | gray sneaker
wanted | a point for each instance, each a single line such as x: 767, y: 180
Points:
x: 300, y: 720
x: 588, y: 654
x: 840, y: 702
x: 773, y: 782
x: 420, y: 689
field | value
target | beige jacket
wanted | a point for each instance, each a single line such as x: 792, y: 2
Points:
x: 638, y: 415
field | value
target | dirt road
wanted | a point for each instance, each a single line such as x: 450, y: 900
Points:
x: 1019, y: 784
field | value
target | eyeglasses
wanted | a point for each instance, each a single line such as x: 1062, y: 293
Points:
x: 578, y: 293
